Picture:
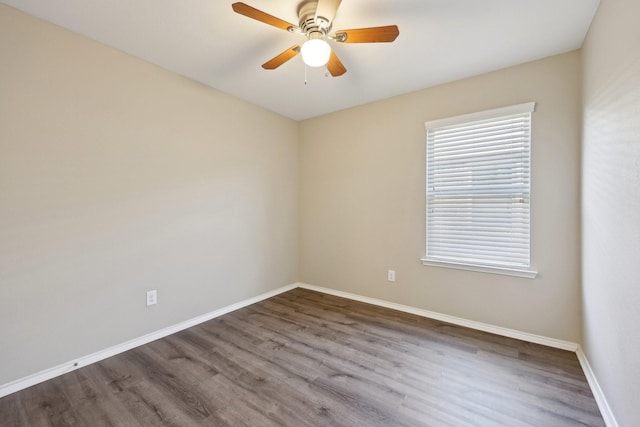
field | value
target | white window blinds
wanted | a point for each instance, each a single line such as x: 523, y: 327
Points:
x: 478, y: 188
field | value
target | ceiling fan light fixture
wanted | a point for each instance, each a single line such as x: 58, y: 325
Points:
x: 315, y: 52
x: 316, y: 22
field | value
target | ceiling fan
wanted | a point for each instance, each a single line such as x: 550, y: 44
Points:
x: 315, y: 21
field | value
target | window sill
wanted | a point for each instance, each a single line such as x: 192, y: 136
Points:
x: 528, y: 274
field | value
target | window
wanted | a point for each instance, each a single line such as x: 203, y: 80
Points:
x: 478, y: 191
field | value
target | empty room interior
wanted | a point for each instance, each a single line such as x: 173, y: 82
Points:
x: 192, y: 233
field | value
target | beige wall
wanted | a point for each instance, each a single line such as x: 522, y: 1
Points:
x: 117, y: 177
x: 362, y: 201
x: 611, y: 205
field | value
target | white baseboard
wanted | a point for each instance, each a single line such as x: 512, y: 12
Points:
x: 55, y: 371
x: 603, y: 405
x: 498, y: 330
x: 598, y: 394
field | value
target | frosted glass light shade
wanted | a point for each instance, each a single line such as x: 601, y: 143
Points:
x: 315, y: 52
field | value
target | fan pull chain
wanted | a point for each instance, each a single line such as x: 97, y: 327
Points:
x: 305, y: 74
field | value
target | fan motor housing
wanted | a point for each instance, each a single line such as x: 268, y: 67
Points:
x: 313, y: 27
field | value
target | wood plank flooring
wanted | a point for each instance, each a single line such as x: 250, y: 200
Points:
x: 304, y: 358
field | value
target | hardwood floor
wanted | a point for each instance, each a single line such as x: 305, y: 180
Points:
x: 304, y: 358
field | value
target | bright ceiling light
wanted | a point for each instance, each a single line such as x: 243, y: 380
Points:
x: 315, y: 52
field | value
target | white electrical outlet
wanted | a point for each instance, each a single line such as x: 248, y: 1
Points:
x: 152, y: 297
x: 391, y: 275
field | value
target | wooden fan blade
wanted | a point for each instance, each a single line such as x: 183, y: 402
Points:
x: 334, y: 65
x: 368, y: 35
x: 327, y: 9
x: 258, y: 15
x: 282, y: 58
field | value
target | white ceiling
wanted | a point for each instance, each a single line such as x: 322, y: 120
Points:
x: 439, y: 41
